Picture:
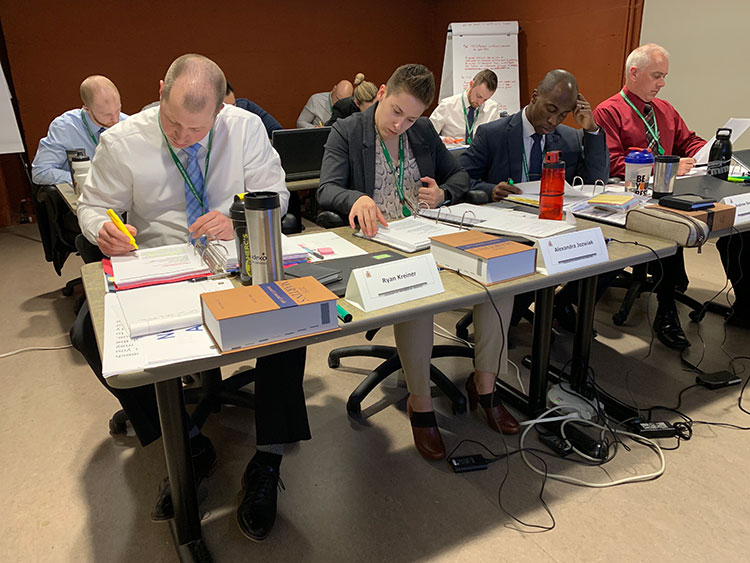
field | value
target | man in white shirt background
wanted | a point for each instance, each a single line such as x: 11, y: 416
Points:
x: 458, y: 116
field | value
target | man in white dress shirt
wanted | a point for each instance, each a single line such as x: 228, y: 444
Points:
x: 458, y: 116
x: 175, y: 170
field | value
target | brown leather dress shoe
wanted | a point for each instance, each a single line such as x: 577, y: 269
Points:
x: 498, y: 416
x: 426, y: 433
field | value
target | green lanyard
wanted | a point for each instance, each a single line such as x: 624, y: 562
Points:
x: 469, y: 130
x: 654, y: 131
x: 400, y: 179
x: 182, y: 170
x: 86, y: 124
x: 525, y: 164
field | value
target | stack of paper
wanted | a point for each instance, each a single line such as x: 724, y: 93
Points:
x: 617, y: 202
x: 162, y: 264
x: 495, y: 218
x: 148, y: 310
x: 123, y: 354
x: 291, y: 251
x: 411, y: 234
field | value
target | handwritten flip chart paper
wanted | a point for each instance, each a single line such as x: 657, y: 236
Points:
x: 474, y: 46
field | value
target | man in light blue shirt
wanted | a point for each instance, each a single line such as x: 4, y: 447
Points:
x: 77, y: 129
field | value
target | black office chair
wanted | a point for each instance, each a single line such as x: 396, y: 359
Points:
x: 389, y: 354
x: 640, y: 281
x: 58, y: 228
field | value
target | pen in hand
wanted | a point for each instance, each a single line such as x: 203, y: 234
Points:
x: 120, y: 225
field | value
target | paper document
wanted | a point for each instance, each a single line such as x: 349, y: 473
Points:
x: 496, y: 218
x: 411, y: 234
x: 738, y: 125
x: 123, y: 354
x: 332, y: 244
x: 160, y: 263
x: 156, y: 308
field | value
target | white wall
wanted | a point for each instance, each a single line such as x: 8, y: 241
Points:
x: 709, y: 74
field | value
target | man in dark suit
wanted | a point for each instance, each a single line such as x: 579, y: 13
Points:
x: 513, y: 147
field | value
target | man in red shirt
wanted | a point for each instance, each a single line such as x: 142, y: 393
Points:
x: 635, y: 117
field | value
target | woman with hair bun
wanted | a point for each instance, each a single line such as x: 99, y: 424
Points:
x: 363, y: 98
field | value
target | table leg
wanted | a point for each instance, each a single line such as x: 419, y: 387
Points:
x: 584, y: 332
x: 186, y: 524
x: 534, y: 403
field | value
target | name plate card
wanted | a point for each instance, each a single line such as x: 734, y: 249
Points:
x: 392, y: 283
x: 562, y: 253
x: 742, y: 203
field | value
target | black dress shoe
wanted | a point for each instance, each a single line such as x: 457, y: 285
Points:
x: 257, y: 511
x: 204, y: 464
x: 668, y: 329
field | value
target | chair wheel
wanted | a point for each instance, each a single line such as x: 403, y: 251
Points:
x: 117, y: 427
x: 619, y: 318
x: 354, y: 409
x: 697, y: 316
x: 333, y: 363
x: 67, y: 291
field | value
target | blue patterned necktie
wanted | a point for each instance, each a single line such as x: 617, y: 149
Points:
x: 535, y: 161
x: 193, y: 169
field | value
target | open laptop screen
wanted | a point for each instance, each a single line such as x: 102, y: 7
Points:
x: 301, y: 151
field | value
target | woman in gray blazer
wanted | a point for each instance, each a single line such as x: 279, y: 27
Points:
x: 380, y: 165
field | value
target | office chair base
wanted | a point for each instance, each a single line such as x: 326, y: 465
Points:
x: 118, y: 424
x: 391, y: 364
x: 70, y: 287
x: 194, y: 551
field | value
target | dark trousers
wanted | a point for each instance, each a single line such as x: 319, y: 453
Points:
x: 671, y: 276
x: 734, y: 250
x: 280, y: 410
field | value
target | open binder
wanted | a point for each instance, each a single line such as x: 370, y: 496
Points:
x: 172, y: 263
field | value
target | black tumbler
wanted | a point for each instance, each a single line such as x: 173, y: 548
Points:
x: 237, y: 213
x: 720, y: 156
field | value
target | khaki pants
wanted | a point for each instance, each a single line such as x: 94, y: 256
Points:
x: 414, y: 341
x: 490, y: 337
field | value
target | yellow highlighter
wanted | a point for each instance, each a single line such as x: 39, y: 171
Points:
x: 120, y: 225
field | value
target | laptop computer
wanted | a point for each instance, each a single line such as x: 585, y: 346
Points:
x: 742, y: 158
x: 343, y: 266
x: 708, y: 186
x: 301, y: 151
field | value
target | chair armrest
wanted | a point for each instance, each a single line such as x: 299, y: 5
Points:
x: 477, y: 197
x: 330, y: 220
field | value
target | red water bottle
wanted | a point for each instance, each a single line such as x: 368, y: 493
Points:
x: 553, y: 186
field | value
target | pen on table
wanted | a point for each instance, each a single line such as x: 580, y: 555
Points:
x: 311, y: 251
x: 211, y: 277
x: 120, y: 225
x: 343, y: 314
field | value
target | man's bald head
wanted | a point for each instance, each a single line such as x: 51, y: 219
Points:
x: 196, y: 82
x: 552, y: 100
x: 101, y: 99
x: 558, y: 79
x: 342, y: 90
